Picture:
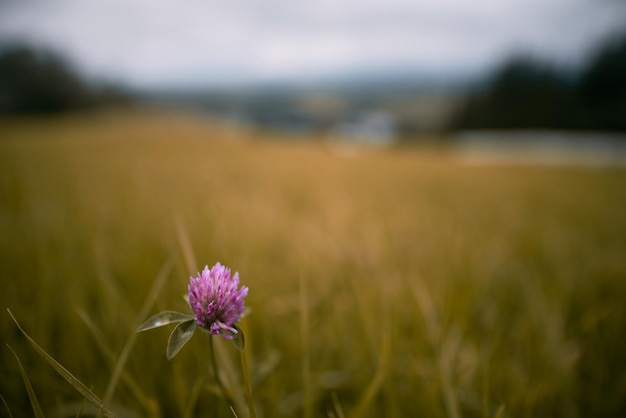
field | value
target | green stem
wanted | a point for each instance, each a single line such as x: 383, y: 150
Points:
x: 216, y: 373
x: 246, y: 380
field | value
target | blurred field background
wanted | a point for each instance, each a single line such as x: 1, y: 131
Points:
x: 390, y: 282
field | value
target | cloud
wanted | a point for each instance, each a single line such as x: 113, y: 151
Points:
x: 149, y: 42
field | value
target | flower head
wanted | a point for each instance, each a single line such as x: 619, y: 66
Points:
x: 216, y: 301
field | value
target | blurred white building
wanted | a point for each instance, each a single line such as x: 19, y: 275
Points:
x: 371, y: 127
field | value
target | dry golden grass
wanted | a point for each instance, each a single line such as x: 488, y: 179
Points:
x: 393, y: 282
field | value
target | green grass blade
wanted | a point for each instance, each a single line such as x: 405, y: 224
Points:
x: 383, y: 365
x: 337, y: 406
x: 499, y: 412
x: 246, y: 379
x: 185, y: 243
x: 193, y: 397
x: 80, y: 410
x: 29, y: 388
x: 227, y: 374
x: 4, y: 402
x: 179, y: 337
x: 162, y: 319
x: 307, y: 386
x: 112, y: 358
x: 123, y: 357
x: 71, y: 379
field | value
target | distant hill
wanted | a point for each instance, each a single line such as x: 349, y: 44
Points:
x: 408, y: 106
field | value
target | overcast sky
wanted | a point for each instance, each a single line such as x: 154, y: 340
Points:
x: 147, y: 43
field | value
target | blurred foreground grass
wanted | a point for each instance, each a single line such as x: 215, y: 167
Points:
x: 391, y: 283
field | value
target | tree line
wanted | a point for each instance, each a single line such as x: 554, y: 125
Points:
x: 527, y: 93
x: 39, y: 81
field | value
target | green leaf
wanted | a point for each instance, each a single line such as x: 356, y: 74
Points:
x: 179, y: 337
x: 162, y: 319
x: 239, y: 339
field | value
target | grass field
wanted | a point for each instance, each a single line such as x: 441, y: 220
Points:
x: 383, y: 283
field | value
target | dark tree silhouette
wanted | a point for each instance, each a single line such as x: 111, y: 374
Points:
x: 602, y: 88
x: 36, y: 81
x: 523, y: 93
x: 527, y: 93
